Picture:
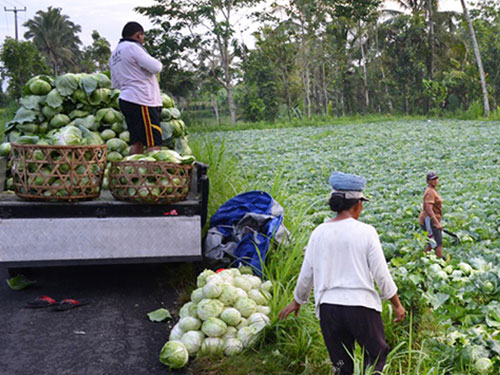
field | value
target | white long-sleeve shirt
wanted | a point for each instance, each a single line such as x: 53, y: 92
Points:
x: 342, y: 261
x: 133, y: 72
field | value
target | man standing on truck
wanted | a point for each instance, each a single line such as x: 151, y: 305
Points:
x: 133, y: 72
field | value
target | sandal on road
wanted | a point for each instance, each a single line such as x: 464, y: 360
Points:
x: 42, y: 301
x: 67, y: 304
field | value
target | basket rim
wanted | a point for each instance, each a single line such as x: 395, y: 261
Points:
x: 151, y: 161
x: 21, y: 145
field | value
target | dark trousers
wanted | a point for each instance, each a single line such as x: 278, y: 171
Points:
x: 342, y: 326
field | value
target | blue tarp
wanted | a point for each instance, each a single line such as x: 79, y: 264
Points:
x: 250, y: 220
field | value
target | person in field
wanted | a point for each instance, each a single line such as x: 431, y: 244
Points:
x: 431, y: 214
x: 133, y: 72
x: 343, y: 259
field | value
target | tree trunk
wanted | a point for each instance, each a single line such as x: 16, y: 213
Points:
x: 430, y: 58
x: 232, y: 107
x: 486, y: 103
x: 384, y: 79
x: 305, y: 75
x: 325, y: 91
x: 216, y: 109
x: 365, y: 77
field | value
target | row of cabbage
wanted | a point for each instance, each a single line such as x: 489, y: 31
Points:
x: 226, y: 313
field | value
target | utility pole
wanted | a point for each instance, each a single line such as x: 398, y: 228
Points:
x: 15, y: 10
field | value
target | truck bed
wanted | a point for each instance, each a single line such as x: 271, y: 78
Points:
x: 104, y: 230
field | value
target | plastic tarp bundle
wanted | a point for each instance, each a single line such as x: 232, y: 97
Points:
x: 243, y: 227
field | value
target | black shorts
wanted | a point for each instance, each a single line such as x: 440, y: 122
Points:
x: 143, y: 123
x: 433, y: 233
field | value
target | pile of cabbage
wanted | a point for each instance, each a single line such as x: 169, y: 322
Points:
x: 226, y: 313
x: 83, y: 109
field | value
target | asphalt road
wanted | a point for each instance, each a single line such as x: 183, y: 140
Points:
x: 111, y: 335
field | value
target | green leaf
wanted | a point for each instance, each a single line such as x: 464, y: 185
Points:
x: 54, y: 100
x: 19, y: 282
x: 89, y: 83
x: 32, y: 101
x: 67, y: 84
x: 159, y: 315
x: 24, y: 115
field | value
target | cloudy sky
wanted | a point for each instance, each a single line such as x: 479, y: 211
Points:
x: 105, y: 16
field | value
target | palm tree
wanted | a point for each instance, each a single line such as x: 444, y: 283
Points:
x: 55, y: 37
x: 486, y: 103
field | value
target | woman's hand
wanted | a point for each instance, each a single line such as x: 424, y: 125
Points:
x: 398, y: 308
x: 294, y: 307
x: 400, y: 313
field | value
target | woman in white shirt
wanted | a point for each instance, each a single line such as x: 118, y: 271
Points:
x: 342, y: 261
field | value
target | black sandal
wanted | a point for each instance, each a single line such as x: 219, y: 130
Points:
x: 42, y: 301
x: 67, y: 304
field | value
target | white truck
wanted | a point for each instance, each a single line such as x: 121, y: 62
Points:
x: 104, y: 230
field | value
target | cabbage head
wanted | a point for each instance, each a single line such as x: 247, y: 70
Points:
x: 212, y: 346
x: 230, y: 332
x: 197, y: 295
x: 209, y: 308
x: 189, y: 323
x: 264, y: 309
x: 213, y: 327
x: 5, y: 149
x: 116, y: 144
x: 108, y: 134
x: 216, y: 279
x: 243, y: 323
x: 247, y: 335
x: 211, y: 290
x: 228, y: 295
x: 174, y: 354
x: 192, y: 341
x: 231, y: 316
x: 465, y: 268
x: 39, y: 87
x: 201, y: 280
x: 258, y: 297
x: 70, y: 135
x: 254, y: 281
x: 267, y: 286
x: 482, y: 365
x: 243, y: 283
x: 167, y: 101
x: 245, y: 306
x: 66, y: 84
x: 232, y: 346
x: 258, y: 321
x: 241, y: 293
x: 184, y: 311
x: 176, y: 333
x: 59, y: 120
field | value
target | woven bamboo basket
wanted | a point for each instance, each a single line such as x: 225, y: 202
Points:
x: 156, y: 182
x: 58, y: 173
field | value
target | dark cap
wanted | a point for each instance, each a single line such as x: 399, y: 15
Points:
x: 431, y: 176
x: 131, y: 28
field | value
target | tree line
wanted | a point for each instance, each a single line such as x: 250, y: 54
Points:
x: 306, y: 57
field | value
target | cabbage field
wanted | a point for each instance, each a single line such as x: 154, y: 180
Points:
x: 453, y: 323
